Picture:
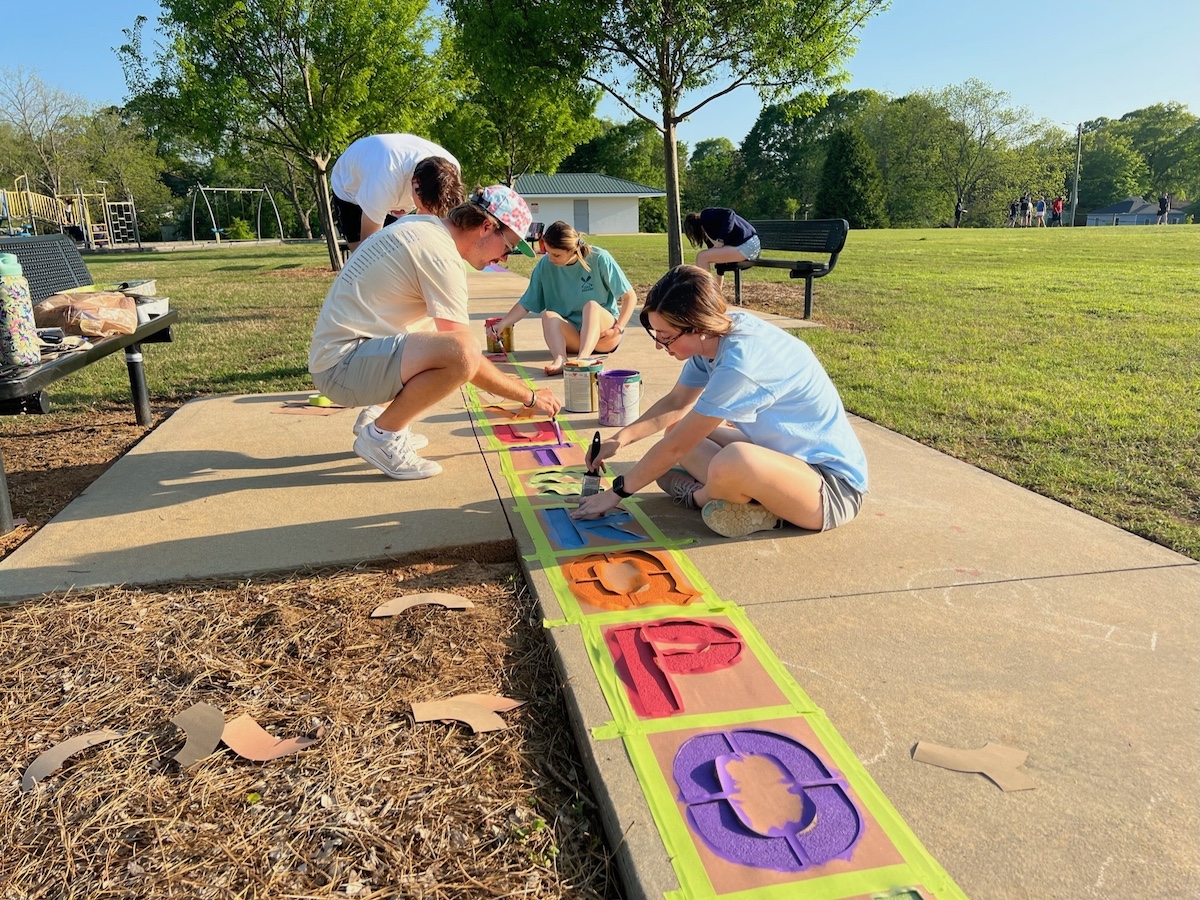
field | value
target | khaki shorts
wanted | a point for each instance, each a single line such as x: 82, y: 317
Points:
x: 839, y: 501
x: 368, y: 374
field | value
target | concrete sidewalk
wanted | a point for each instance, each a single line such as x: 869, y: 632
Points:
x: 957, y: 609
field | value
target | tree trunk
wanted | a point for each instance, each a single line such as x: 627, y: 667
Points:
x: 671, y: 163
x: 325, y: 205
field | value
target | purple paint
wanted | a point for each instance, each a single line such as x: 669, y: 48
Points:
x: 830, y: 824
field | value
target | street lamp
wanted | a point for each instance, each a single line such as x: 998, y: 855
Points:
x: 1078, y: 155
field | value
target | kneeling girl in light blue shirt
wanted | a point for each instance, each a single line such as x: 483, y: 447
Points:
x: 584, y: 299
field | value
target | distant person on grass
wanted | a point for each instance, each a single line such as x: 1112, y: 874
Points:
x: 584, y: 299
x: 726, y: 236
x: 959, y: 212
x: 383, y: 176
x: 1056, y: 208
x: 393, y: 334
x: 1039, y: 211
x: 1164, y: 209
x: 1012, y: 214
x: 791, y: 454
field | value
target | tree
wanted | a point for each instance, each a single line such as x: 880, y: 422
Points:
x: 1111, y: 170
x: 712, y: 173
x: 851, y: 188
x: 46, y: 123
x: 306, y: 76
x: 904, y: 134
x: 665, y: 60
x: 982, y: 127
x: 784, y: 152
x: 1168, y: 138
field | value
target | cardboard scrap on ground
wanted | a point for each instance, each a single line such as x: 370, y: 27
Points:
x: 249, y: 740
x: 435, y: 598
x: 304, y: 408
x: 203, y: 724
x: 477, y: 710
x: 994, y: 761
x: 50, y: 761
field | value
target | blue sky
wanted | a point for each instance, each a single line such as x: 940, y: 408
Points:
x: 1066, y: 60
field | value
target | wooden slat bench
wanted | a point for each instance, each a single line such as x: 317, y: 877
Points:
x: 795, y: 237
x: 51, y: 263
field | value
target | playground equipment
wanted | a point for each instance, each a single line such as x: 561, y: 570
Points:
x: 91, y: 219
x: 203, y: 191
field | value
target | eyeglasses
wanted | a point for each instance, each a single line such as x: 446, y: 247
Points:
x: 665, y: 342
x: 509, y: 249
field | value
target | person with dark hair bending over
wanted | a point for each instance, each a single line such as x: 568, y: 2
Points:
x: 726, y: 236
x: 383, y: 176
x: 582, y: 295
x: 791, y: 454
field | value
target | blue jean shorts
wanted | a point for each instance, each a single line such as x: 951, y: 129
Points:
x: 752, y: 249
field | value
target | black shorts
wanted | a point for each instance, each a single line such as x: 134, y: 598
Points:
x: 348, y: 218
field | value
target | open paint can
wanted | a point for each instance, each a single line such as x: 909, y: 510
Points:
x: 580, y: 384
x: 505, y: 344
x: 620, y: 397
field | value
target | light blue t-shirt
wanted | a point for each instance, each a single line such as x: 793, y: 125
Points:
x: 567, y: 289
x: 770, y: 386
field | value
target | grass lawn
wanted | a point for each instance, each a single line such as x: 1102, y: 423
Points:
x: 1065, y: 360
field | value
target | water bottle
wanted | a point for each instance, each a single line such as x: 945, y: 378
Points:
x: 18, y: 333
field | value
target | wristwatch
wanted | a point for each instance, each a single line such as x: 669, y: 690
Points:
x: 618, y: 487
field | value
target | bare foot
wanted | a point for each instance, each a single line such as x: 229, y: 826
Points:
x: 556, y: 367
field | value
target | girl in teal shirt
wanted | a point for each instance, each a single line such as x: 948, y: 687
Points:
x: 584, y: 299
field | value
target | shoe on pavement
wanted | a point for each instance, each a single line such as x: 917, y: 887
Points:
x: 394, y: 455
x: 730, y: 519
x: 371, y: 413
x: 680, y: 486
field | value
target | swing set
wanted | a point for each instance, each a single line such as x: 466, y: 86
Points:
x: 203, y: 192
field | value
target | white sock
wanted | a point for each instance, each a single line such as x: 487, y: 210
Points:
x: 378, y: 433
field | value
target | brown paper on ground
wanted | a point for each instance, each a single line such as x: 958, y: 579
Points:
x: 621, y: 577
x: 435, y: 598
x: 50, y: 761
x: 763, y: 800
x: 249, y: 740
x: 203, y: 724
x: 304, y: 408
x: 994, y: 761
x: 476, y: 710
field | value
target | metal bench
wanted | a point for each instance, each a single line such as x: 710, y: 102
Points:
x: 51, y: 263
x: 807, y: 237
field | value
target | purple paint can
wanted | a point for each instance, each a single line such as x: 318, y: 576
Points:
x: 620, y: 397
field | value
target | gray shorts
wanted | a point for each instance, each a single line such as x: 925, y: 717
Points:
x: 368, y: 374
x: 752, y: 249
x: 839, y: 501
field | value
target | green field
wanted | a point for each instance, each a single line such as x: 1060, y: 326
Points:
x: 1065, y: 360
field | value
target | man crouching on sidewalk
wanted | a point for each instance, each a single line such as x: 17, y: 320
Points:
x: 393, y: 332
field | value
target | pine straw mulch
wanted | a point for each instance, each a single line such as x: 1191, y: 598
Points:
x: 380, y: 807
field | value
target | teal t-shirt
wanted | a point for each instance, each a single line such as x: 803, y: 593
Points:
x: 567, y: 289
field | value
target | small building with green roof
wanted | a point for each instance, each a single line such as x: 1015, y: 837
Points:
x: 593, y: 204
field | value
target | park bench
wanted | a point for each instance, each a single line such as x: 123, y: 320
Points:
x: 51, y: 263
x: 794, y: 237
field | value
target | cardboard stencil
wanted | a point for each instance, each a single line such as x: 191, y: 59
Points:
x: 203, y: 724
x: 249, y: 740
x: 626, y: 579
x: 398, y: 605
x: 50, y: 761
x: 994, y: 761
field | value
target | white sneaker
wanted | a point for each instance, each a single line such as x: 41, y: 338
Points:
x: 371, y: 413
x: 394, y: 455
x: 730, y: 519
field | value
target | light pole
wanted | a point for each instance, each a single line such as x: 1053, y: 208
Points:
x: 1078, y: 155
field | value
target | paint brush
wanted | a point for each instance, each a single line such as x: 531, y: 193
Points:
x: 557, y: 428
x: 591, y: 481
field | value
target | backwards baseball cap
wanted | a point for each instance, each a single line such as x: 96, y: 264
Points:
x: 509, y: 207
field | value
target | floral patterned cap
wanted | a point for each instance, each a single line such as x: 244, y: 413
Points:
x: 509, y: 207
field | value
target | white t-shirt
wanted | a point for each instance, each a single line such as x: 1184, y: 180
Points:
x: 397, y: 282
x: 376, y: 172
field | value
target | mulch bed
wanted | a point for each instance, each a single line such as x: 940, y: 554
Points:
x: 380, y: 807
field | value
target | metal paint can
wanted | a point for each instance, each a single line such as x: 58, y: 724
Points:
x: 505, y: 344
x: 580, y: 385
x: 620, y: 397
